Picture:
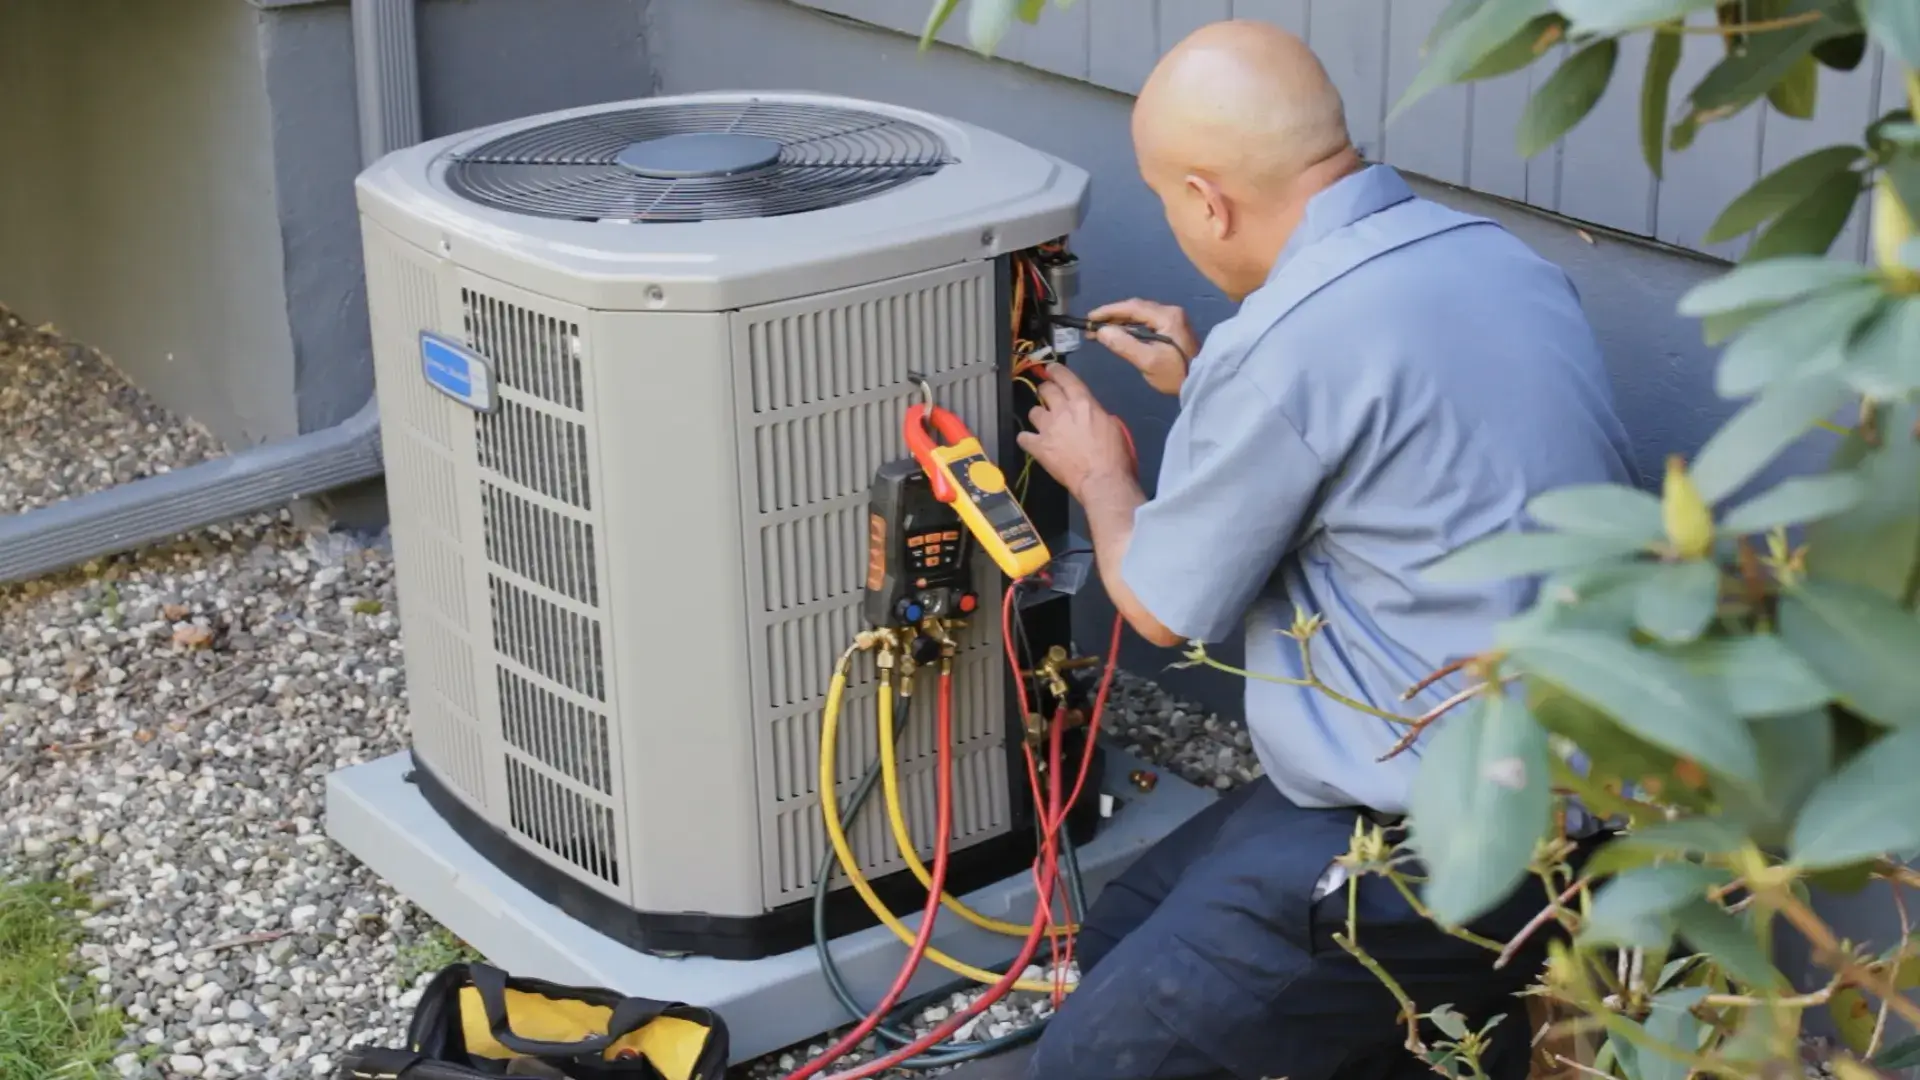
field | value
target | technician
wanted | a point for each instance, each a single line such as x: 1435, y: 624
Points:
x: 1400, y: 378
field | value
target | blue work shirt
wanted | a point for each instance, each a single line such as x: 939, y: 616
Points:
x: 1406, y: 379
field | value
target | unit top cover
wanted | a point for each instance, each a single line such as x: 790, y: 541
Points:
x: 708, y: 202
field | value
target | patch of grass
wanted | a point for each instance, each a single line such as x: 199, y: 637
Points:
x: 430, y: 952
x: 50, y: 1023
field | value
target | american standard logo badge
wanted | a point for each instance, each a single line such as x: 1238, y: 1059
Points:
x: 458, y: 372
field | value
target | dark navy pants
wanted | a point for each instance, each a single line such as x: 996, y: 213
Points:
x: 1208, y: 958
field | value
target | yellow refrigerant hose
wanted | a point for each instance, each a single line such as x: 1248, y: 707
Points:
x: 836, y: 831
x: 903, y: 837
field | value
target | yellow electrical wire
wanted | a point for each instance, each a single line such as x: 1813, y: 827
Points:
x: 836, y: 834
x: 903, y: 838
x: 1026, y: 470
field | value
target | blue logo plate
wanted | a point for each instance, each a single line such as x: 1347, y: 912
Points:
x: 458, y: 372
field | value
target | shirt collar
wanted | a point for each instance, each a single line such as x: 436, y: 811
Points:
x: 1353, y: 197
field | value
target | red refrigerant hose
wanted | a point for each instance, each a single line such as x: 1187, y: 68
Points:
x: 1046, y: 869
x: 943, y: 830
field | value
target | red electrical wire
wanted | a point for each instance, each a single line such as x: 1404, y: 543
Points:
x: 943, y: 827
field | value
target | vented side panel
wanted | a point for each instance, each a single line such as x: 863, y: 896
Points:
x: 425, y: 437
x: 979, y: 813
x: 577, y: 827
x: 821, y: 388
x: 541, y: 550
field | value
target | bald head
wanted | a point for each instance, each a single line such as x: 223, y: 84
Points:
x: 1244, y: 102
x: 1237, y: 126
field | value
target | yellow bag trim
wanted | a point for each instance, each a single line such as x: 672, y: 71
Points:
x: 671, y: 1044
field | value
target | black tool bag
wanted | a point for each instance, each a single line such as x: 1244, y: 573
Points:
x: 476, y: 1021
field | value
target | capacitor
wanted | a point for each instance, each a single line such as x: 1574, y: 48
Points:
x: 1063, y: 280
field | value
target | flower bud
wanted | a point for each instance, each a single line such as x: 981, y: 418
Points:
x: 1688, y: 519
x: 1892, y: 227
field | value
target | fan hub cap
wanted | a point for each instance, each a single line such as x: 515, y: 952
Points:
x: 697, y: 154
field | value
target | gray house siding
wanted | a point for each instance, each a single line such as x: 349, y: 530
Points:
x: 1463, y: 135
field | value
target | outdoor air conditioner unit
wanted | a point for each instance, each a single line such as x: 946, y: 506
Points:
x: 636, y: 365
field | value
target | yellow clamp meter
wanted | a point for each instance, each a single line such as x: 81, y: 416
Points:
x: 975, y: 487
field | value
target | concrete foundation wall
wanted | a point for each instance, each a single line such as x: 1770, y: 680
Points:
x: 137, y: 199
x: 176, y: 179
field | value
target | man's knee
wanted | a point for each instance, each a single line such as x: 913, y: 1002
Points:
x: 1137, y: 1016
x: 1132, y: 897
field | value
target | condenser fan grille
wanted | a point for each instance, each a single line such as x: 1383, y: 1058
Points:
x: 697, y: 162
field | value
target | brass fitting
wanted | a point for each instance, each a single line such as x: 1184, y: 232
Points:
x: 1036, y: 728
x: 941, y: 630
x: 1054, y: 666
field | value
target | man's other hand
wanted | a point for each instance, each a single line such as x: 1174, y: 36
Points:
x: 1163, y: 366
x: 1073, y: 438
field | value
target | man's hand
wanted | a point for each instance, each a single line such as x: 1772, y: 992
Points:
x: 1163, y: 366
x: 1085, y: 448
x: 1073, y: 438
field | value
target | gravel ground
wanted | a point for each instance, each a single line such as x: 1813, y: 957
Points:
x: 72, y: 425
x: 167, y: 722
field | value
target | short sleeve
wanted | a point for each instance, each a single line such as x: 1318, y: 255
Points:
x: 1235, y: 487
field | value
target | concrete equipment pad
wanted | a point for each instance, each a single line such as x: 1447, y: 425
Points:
x: 769, y: 1004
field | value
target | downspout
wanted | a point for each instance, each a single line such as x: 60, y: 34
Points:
x: 141, y: 512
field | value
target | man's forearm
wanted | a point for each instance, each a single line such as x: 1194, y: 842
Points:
x: 1109, y: 503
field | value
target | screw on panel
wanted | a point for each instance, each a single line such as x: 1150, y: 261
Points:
x: 656, y: 295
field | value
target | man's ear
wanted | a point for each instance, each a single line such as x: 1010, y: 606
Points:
x: 1219, y: 212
